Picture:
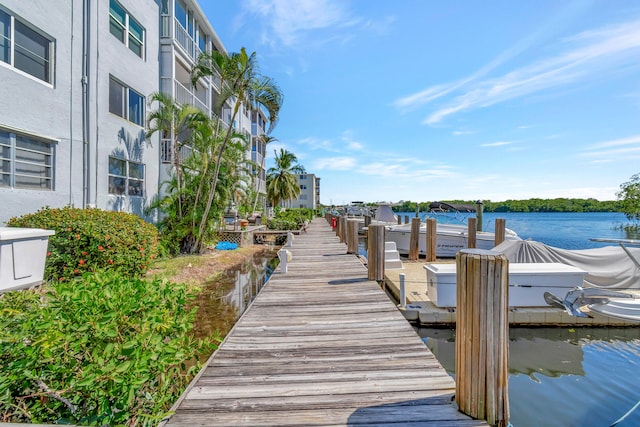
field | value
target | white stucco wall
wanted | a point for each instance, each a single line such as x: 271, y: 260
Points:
x: 35, y: 107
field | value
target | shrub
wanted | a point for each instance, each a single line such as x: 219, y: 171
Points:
x: 291, y: 219
x: 93, y: 239
x: 111, y: 352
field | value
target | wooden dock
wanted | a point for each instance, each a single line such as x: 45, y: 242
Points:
x: 321, y: 346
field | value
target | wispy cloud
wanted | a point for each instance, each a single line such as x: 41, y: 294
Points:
x: 334, y: 163
x: 294, y: 23
x: 462, y: 132
x: 617, y: 149
x: 496, y: 144
x: 588, y: 55
x: 350, y: 142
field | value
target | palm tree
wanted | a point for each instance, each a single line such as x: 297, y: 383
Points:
x: 241, y: 84
x: 266, y: 139
x: 282, y: 184
x: 174, y: 122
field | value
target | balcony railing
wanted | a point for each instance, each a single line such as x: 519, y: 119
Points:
x: 186, y: 41
x: 166, y: 151
x: 185, y: 96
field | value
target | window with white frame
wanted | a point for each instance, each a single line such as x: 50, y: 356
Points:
x: 125, y: 28
x: 126, y: 178
x: 126, y: 102
x: 25, y: 48
x: 26, y: 162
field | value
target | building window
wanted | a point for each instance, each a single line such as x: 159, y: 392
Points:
x: 25, y: 48
x: 126, y: 102
x: 125, y: 28
x: 303, y: 187
x: 25, y: 162
x: 126, y: 178
x: 202, y: 39
x: 303, y: 177
x: 181, y: 13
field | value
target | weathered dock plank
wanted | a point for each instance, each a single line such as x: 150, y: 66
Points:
x: 321, y: 346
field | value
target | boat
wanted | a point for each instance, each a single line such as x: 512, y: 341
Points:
x: 528, y: 282
x: 611, y: 282
x: 450, y: 238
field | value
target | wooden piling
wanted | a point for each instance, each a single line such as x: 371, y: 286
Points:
x: 414, y: 242
x: 479, y: 212
x: 500, y: 231
x: 343, y: 229
x: 367, y: 220
x: 431, y: 240
x: 375, y: 252
x: 471, y: 233
x: 352, y: 236
x: 482, y: 335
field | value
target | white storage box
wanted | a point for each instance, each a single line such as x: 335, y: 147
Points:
x: 23, y: 252
x: 527, y: 282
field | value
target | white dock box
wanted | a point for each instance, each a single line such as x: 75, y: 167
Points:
x: 527, y: 282
x: 23, y: 252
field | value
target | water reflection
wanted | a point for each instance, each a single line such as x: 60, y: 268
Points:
x: 563, y: 377
x: 249, y: 278
x: 224, y: 299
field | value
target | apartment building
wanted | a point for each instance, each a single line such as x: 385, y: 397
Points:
x: 76, y: 77
x: 309, y: 191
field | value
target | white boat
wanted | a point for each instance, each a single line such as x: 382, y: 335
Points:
x: 528, y: 282
x: 450, y: 238
x: 611, y: 282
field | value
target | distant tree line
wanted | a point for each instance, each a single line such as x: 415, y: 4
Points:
x: 529, y: 205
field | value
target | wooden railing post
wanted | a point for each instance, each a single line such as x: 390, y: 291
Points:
x: 431, y: 236
x: 482, y: 335
x: 471, y: 233
x: 375, y: 252
x: 500, y: 231
x: 352, y: 236
x: 414, y: 240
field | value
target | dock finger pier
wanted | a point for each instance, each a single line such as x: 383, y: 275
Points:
x: 321, y: 345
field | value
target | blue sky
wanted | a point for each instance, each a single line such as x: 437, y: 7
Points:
x: 438, y: 100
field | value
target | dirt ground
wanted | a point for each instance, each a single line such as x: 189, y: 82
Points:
x: 214, y: 317
x: 198, y: 269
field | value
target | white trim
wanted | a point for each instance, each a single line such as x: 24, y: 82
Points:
x: 29, y: 133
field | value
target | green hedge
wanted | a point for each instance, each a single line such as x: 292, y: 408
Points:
x: 93, y: 239
x: 290, y: 219
x: 108, y: 350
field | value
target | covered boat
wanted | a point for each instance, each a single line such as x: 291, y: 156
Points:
x: 609, y: 267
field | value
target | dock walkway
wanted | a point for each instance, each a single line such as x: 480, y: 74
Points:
x: 321, y: 346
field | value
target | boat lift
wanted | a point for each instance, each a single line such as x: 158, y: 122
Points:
x: 620, y: 305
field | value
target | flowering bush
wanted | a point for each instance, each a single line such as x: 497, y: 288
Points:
x: 93, y: 239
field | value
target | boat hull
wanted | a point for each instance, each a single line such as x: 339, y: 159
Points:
x: 450, y: 239
x: 527, y: 282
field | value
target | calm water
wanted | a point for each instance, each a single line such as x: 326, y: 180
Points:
x: 562, y: 230
x: 564, y: 376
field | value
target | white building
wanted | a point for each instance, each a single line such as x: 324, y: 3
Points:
x: 309, y: 191
x: 76, y: 77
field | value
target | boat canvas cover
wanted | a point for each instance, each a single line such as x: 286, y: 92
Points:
x: 608, y: 267
x: 384, y: 213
